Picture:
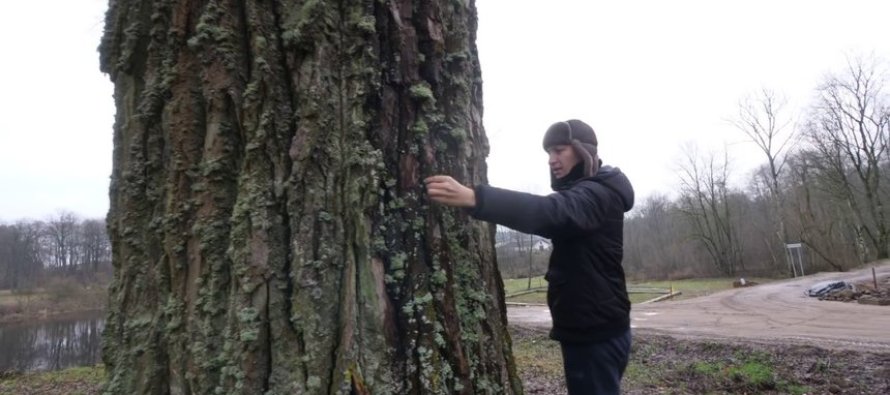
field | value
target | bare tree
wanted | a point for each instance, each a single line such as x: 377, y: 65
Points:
x: 849, y: 130
x: 20, y: 263
x: 761, y: 117
x: 821, y: 224
x: 525, y: 247
x: 521, y: 254
x: 93, y: 248
x: 62, y: 238
x: 705, y: 201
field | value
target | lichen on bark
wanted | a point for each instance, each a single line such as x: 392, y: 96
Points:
x: 269, y: 226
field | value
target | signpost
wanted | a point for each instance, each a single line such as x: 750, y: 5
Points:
x: 794, y: 254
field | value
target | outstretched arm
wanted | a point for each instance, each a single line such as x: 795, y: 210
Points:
x: 558, y: 214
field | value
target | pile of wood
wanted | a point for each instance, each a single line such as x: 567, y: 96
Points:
x: 862, y: 294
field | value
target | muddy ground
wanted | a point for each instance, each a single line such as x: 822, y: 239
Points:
x: 661, y: 364
x: 766, y: 339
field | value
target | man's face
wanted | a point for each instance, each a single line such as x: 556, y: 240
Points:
x: 562, y: 160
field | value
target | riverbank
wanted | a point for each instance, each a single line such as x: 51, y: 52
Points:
x: 55, y: 301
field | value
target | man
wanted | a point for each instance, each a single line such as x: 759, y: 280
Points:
x: 584, y: 218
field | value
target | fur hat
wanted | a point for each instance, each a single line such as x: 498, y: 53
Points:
x: 581, y: 137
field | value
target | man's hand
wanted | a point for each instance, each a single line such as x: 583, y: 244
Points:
x: 447, y: 191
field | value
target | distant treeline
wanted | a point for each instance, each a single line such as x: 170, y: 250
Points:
x: 62, y: 245
x: 825, y: 184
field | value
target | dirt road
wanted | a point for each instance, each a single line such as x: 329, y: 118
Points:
x: 769, y: 313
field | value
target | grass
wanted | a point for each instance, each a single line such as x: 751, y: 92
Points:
x: 538, y: 354
x: 658, y: 365
x: 664, y: 366
x: 73, y: 381
x: 695, y: 287
x: 689, y: 288
x: 749, y: 373
x: 7, y: 298
x: 60, y: 296
x: 513, y: 285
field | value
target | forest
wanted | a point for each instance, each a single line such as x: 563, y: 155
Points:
x: 824, y: 183
x: 61, y: 246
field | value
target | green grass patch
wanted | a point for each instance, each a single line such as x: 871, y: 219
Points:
x: 694, y: 287
x: 536, y: 352
x: 661, y: 364
x: 689, y: 288
x: 753, y: 375
x: 642, y: 297
x: 532, y: 298
x: 73, y: 381
x: 514, y: 285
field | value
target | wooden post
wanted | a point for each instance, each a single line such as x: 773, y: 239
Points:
x: 874, y: 278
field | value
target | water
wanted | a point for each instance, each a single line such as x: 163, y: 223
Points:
x: 51, y: 345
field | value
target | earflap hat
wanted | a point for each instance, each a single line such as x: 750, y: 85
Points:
x: 581, y: 137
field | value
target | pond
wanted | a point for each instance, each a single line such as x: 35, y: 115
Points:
x: 51, y: 345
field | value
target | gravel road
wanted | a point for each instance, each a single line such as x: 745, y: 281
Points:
x: 776, y: 312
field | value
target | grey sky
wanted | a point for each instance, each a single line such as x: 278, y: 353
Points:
x: 647, y: 75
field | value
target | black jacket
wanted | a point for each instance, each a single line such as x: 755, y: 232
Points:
x: 584, y: 219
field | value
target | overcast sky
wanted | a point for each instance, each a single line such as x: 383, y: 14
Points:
x: 647, y: 75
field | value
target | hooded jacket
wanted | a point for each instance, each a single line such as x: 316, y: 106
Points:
x: 584, y: 219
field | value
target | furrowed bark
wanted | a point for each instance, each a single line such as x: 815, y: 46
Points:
x: 269, y: 226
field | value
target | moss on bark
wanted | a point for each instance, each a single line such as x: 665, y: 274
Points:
x: 269, y: 227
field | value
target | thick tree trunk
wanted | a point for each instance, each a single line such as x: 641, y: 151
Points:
x: 269, y: 228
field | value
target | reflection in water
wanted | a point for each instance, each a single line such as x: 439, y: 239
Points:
x: 51, y: 345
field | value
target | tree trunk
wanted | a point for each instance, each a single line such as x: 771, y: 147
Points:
x: 269, y: 228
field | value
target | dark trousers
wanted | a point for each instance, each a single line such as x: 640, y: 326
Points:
x: 596, y: 368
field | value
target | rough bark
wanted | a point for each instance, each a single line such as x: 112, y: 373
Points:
x: 268, y: 223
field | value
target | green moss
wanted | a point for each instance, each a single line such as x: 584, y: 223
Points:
x: 418, y: 223
x: 325, y: 216
x: 397, y: 262
x: 422, y: 91
x: 299, y: 27
x: 459, y: 134
x: 420, y: 127
x: 367, y: 24
x: 439, y: 278
x: 248, y: 314
x: 249, y: 335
